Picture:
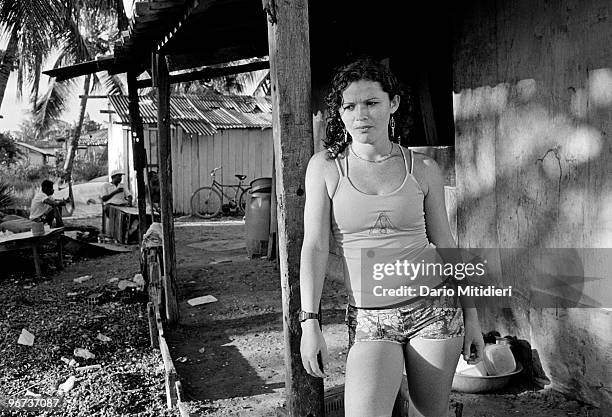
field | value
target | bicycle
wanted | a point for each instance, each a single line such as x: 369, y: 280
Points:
x: 207, y: 202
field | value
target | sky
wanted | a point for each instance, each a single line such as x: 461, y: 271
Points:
x: 14, y: 110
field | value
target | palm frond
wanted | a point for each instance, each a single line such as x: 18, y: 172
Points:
x: 6, y: 195
x: 110, y: 84
x: 74, y: 43
x: 52, y: 104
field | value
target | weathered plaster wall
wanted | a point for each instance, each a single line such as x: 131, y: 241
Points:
x: 533, y: 118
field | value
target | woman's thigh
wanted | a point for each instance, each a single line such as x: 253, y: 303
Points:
x: 430, y: 366
x: 373, y: 375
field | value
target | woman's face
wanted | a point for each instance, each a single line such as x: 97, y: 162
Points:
x: 365, y: 111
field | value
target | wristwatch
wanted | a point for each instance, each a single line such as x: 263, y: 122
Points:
x: 304, y: 315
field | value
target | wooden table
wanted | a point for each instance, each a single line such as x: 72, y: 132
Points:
x: 26, y: 240
x: 123, y: 223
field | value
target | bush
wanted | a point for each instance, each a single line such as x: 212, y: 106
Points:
x: 84, y: 170
x: 8, y: 150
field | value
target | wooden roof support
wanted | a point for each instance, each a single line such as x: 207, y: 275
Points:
x: 160, y: 72
x: 138, y: 151
x: 289, y: 47
x: 207, y: 73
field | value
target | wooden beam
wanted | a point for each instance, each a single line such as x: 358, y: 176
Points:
x: 204, y: 57
x: 288, y: 40
x: 207, y: 73
x: 192, y: 5
x: 138, y: 151
x: 160, y: 71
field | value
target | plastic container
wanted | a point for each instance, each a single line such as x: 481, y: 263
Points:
x: 257, y: 221
x: 262, y: 185
x: 498, y: 358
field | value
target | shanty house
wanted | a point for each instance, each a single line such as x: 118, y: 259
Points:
x: 207, y: 131
x: 92, y: 145
x: 36, y: 156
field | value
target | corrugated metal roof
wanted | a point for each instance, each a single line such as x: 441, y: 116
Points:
x: 95, y: 138
x: 148, y: 109
x: 201, y: 128
x: 203, y: 114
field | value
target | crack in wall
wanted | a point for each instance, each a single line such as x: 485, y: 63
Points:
x: 555, y: 152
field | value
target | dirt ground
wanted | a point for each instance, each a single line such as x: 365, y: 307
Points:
x: 229, y: 354
x: 234, y: 348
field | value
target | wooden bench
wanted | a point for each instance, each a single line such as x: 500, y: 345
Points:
x: 27, y: 240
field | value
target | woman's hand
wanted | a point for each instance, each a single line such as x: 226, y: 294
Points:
x: 311, y: 345
x: 473, y: 337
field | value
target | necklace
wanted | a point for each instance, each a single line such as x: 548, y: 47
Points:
x: 382, y: 159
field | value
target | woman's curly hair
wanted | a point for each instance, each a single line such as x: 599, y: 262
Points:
x: 362, y: 69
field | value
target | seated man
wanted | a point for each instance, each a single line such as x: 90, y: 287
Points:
x: 46, y: 209
x: 115, y: 193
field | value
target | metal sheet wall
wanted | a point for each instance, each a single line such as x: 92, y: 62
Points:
x: 239, y: 151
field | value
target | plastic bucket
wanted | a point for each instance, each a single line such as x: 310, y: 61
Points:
x: 257, y: 223
x: 261, y: 185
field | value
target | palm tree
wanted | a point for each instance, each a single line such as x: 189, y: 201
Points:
x: 28, y: 25
x: 72, y: 31
x: 88, y: 33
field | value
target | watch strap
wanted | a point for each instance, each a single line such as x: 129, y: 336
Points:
x: 304, y: 315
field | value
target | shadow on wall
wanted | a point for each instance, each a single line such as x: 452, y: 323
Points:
x: 533, y: 170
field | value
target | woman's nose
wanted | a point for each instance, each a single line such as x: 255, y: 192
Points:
x: 362, y: 112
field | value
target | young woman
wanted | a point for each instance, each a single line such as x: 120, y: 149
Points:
x: 371, y: 193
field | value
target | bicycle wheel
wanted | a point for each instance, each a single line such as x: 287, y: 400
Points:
x: 205, y: 202
x: 242, y: 200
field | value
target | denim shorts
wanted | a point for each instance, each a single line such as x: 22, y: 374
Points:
x: 429, y: 318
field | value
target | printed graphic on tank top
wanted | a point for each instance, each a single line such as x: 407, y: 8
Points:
x: 382, y: 225
x: 393, y: 222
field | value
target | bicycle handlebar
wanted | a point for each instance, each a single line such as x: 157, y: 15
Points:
x: 212, y: 173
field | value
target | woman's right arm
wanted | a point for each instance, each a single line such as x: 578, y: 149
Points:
x: 313, y: 262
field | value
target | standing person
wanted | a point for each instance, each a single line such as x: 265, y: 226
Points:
x: 116, y: 193
x: 46, y: 209
x: 372, y: 193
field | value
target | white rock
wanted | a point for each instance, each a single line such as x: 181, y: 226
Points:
x: 205, y: 299
x: 124, y: 283
x: 26, y: 338
x: 103, y: 338
x: 68, y: 385
x: 82, y: 279
x: 139, y: 280
x: 83, y: 353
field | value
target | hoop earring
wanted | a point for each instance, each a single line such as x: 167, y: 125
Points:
x: 345, y: 136
x: 392, y: 125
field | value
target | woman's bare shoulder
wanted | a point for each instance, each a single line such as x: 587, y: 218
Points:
x: 424, y: 164
x: 321, y: 162
x: 322, y: 167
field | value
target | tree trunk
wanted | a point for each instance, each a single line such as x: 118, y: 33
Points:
x: 74, y: 143
x: 122, y: 20
x: 7, y: 61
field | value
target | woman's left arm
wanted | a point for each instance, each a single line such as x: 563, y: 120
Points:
x: 439, y: 233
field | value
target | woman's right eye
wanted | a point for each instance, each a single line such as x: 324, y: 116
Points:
x: 348, y: 107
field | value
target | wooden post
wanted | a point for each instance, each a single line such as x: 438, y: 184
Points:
x: 288, y: 41
x: 272, y: 236
x: 160, y: 70
x: 138, y: 151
